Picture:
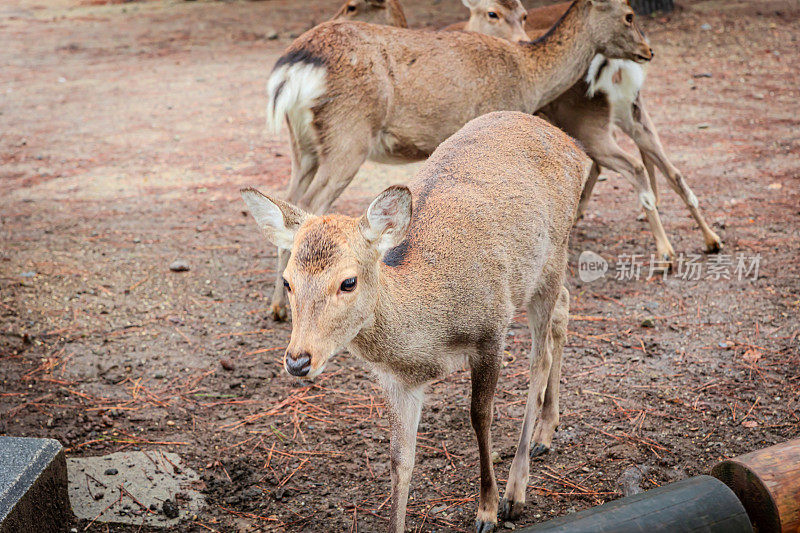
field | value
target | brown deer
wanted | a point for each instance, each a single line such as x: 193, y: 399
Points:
x: 351, y: 91
x: 609, y: 95
x: 431, y: 276
x: 388, y: 12
x: 534, y: 21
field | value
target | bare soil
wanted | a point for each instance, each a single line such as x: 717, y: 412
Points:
x: 126, y: 130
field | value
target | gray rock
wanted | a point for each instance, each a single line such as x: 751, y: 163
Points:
x: 179, y: 266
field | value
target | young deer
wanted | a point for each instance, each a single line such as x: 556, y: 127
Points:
x: 416, y: 291
x: 388, y: 12
x: 608, y: 96
x: 351, y: 91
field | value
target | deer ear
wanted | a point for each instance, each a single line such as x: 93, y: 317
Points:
x: 471, y: 4
x: 387, y: 219
x: 277, y: 219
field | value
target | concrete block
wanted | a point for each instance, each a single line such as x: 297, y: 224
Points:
x: 33, y: 486
x: 152, y: 488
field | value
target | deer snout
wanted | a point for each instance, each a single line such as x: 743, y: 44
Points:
x: 298, y: 364
x: 520, y: 35
x: 646, y: 54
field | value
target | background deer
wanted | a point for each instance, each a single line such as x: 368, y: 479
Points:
x: 351, y: 91
x: 433, y: 274
x: 609, y: 95
x: 388, y: 12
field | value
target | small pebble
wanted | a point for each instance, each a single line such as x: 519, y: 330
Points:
x: 705, y: 26
x: 179, y: 266
x: 509, y: 525
x: 648, y: 323
x: 170, y: 509
x: 227, y: 364
x: 111, y: 472
x: 496, y: 458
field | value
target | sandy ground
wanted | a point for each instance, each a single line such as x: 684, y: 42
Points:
x: 127, y: 130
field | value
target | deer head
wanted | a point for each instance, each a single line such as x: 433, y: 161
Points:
x: 611, y: 24
x: 372, y: 11
x: 501, y: 18
x: 333, y: 274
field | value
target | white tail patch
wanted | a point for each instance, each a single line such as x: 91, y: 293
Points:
x: 619, y: 79
x: 291, y: 92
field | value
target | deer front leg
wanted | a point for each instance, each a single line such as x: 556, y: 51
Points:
x: 638, y: 125
x: 607, y: 152
x: 650, y: 166
x: 485, y: 370
x: 405, y: 408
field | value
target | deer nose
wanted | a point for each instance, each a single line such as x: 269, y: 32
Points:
x: 298, y: 365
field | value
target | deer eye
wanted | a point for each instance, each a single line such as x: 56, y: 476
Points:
x: 350, y: 9
x: 492, y: 15
x: 348, y: 285
x: 629, y: 18
x: 286, y: 284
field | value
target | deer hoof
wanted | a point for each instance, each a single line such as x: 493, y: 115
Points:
x: 510, y: 510
x: 539, y: 449
x: 484, y: 527
x: 713, y: 247
x: 279, y: 313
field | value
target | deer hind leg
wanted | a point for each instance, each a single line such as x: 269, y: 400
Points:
x: 540, y: 311
x: 548, y: 422
x: 586, y: 193
x: 304, y: 165
x: 485, y: 370
x: 607, y: 152
x: 338, y: 164
x: 405, y: 409
x: 638, y: 125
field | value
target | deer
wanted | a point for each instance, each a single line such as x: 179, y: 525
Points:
x: 509, y: 13
x: 349, y: 91
x: 429, y: 278
x: 388, y: 12
x: 609, y: 95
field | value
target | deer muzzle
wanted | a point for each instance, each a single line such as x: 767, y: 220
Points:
x: 298, y: 364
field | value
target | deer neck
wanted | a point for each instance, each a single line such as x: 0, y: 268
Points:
x: 386, y: 337
x: 395, y: 15
x: 558, y: 59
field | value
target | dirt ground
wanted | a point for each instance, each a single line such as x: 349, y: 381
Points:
x: 127, y: 130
